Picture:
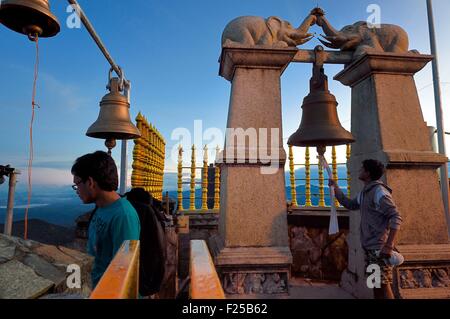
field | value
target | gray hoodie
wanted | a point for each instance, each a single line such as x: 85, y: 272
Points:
x: 378, y: 213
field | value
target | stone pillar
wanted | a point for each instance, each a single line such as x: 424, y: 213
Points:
x: 252, y: 252
x: 388, y: 125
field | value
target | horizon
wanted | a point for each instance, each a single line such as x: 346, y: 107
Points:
x: 172, y: 92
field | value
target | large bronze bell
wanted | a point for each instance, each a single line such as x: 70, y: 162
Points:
x: 114, y: 118
x: 320, y: 124
x: 29, y: 17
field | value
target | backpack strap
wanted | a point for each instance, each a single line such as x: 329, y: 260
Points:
x: 92, y: 215
x: 380, y: 192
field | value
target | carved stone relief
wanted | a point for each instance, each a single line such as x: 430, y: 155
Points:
x: 427, y: 277
x: 255, y: 283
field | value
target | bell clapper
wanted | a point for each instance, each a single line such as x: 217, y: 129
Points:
x: 110, y: 143
x: 321, y: 150
x: 321, y: 154
x: 33, y: 32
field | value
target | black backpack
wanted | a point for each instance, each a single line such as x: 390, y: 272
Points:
x: 152, y: 261
x: 152, y: 257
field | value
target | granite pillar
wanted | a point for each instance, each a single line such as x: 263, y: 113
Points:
x: 388, y: 125
x: 251, y: 251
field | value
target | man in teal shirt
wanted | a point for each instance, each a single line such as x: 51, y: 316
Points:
x: 115, y: 220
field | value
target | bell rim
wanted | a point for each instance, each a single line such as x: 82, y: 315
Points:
x: 109, y: 135
x: 103, y: 134
x: 346, y: 137
x: 107, y: 131
x: 52, y: 28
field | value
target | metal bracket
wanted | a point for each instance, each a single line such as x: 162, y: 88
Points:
x: 327, y: 56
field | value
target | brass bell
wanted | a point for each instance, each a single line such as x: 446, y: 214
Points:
x: 114, y: 121
x: 320, y: 124
x: 29, y: 17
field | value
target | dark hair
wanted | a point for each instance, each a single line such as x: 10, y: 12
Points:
x: 374, y: 168
x: 100, y: 166
x: 139, y: 195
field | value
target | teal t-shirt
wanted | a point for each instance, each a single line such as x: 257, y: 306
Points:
x: 109, y: 227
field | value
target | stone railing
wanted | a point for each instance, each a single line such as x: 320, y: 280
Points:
x: 148, y: 158
x: 316, y: 254
x: 210, y: 182
x: 210, y: 176
x: 204, y: 283
x: 308, y: 197
x: 121, y: 278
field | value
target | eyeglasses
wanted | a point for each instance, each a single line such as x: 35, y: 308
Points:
x: 75, y: 186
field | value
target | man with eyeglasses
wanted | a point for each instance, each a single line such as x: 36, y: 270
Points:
x: 115, y: 220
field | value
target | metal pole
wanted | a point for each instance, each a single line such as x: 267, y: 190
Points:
x: 9, y: 208
x: 123, y: 157
x: 94, y: 35
x: 438, y: 106
x: 123, y: 168
x: 127, y: 85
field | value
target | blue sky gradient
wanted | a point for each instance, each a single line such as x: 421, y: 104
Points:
x: 169, y: 50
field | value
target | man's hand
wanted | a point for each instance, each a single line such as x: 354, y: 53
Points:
x: 386, y: 251
x: 332, y: 182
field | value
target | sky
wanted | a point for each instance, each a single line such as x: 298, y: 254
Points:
x: 169, y: 51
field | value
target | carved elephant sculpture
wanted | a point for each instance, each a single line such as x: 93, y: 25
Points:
x: 249, y: 30
x: 361, y: 38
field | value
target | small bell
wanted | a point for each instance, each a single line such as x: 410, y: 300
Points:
x: 320, y: 125
x: 114, y: 120
x: 29, y: 17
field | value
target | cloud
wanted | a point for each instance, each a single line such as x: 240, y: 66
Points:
x: 59, y: 165
x: 66, y: 92
x: 51, y: 162
x: 59, y: 91
x: 45, y: 176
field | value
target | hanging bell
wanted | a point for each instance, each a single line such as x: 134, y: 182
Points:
x: 114, y: 118
x: 320, y: 124
x: 29, y: 17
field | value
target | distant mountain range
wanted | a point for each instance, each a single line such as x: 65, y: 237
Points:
x: 171, y: 179
x: 57, y: 205
x: 44, y: 232
x: 60, y: 205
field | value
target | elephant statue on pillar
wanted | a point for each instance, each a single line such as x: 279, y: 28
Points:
x: 273, y: 31
x: 362, y: 38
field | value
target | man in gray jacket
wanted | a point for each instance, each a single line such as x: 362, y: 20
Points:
x: 380, y: 221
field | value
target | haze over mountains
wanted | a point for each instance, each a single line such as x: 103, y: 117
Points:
x: 60, y: 205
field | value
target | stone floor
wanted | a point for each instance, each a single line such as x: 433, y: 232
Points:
x: 306, y: 289
x: 29, y: 269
